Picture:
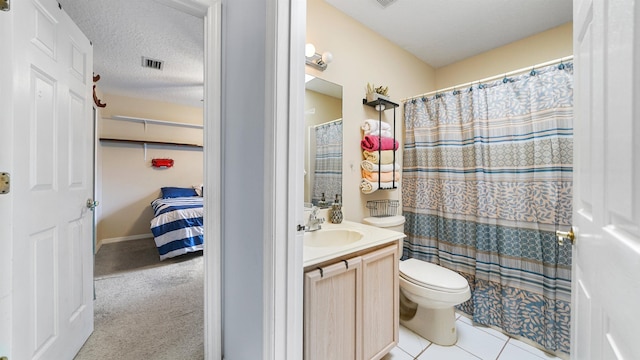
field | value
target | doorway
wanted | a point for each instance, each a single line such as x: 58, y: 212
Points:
x: 210, y: 12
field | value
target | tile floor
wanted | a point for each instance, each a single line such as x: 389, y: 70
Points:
x: 474, y: 342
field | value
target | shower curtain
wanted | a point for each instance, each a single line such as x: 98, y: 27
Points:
x: 327, y: 177
x: 487, y: 180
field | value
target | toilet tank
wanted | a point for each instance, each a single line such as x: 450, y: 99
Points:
x: 395, y: 223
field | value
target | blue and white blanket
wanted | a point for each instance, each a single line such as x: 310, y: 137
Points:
x: 177, y: 225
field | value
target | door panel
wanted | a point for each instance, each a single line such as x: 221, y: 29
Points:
x: 53, y: 178
x: 380, y: 281
x: 607, y: 191
x: 333, y: 311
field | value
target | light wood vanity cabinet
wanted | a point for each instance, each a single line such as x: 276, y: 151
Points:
x: 351, y: 312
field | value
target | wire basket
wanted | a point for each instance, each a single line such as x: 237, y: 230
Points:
x: 383, y: 208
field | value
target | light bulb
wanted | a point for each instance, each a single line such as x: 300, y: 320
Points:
x: 327, y: 57
x: 309, y: 50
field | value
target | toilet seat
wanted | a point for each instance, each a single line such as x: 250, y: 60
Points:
x: 432, y: 276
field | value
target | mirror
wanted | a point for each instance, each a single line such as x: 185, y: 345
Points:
x: 323, y: 143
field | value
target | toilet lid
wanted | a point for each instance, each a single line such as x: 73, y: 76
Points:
x: 384, y: 222
x: 432, y: 276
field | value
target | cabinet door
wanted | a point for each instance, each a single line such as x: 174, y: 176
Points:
x: 380, y: 302
x: 332, y: 312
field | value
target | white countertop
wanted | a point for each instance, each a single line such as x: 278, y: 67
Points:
x: 373, y: 236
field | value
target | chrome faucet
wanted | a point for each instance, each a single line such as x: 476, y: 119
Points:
x: 314, y: 222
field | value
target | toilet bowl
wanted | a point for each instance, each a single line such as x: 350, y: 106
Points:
x: 428, y: 293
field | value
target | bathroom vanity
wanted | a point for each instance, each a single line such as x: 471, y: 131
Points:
x: 351, y: 291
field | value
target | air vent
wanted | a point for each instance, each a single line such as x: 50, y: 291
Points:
x: 386, y: 3
x: 151, y: 63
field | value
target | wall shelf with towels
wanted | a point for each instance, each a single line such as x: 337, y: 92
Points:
x: 380, y: 105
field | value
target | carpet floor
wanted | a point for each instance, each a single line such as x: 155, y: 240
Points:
x: 145, y: 308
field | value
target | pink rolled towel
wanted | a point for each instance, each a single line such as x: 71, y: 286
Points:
x: 371, y: 143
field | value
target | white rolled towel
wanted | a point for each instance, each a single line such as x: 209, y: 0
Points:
x: 371, y: 125
x: 385, y: 133
x: 371, y: 166
x: 368, y: 187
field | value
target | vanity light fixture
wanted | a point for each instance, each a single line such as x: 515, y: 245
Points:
x: 315, y: 60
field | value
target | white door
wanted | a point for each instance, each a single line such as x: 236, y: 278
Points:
x: 51, y: 181
x: 606, y: 255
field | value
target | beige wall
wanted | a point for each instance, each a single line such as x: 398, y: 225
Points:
x: 549, y: 45
x: 361, y: 56
x: 126, y: 181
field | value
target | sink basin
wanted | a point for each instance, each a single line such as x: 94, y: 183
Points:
x: 332, y: 237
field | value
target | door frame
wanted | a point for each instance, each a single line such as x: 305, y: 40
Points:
x: 283, y: 209
x: 211, y: 12
x: 6, y: 165
x: 212, y: 180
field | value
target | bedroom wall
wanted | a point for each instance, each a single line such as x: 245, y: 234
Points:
x: 126, y: 181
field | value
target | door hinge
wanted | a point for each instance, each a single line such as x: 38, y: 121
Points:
x: 4, y: 6
x: 5, y: 186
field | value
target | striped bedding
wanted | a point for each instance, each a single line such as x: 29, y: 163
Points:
x: 177, y: 225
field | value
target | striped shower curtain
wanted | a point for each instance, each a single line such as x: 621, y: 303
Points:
x: 327, y: 177
x: 487, y: 181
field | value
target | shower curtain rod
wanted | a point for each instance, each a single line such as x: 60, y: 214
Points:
x: 495, y: 77
x: 327, y: 123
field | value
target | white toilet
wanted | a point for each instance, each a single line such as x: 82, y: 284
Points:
x: 428, y: 293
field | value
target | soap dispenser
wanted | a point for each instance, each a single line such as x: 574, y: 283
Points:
x: 323, y: 202
x: 336, y: 210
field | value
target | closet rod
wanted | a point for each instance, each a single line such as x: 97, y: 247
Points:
x: 495, y: 77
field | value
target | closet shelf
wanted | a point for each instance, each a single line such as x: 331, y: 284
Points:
x: 150, y: 142
x: 154, y: 121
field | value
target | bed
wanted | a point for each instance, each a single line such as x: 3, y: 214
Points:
x: 177, y: 225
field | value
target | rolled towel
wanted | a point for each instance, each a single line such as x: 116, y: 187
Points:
x: 374, y: 143
x: 384, y: 176
x: 371, y: 166
x: 371, y: 125
x: 385, y: 133
x: 367, y: 187
x: 386, y: 156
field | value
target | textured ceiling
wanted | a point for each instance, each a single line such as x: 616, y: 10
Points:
x: 123, y: 31
x: 441, y: 32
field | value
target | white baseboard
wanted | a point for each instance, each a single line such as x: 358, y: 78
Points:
x: 122, y: 238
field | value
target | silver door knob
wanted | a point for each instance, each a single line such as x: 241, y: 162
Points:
x: 91, y: 204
